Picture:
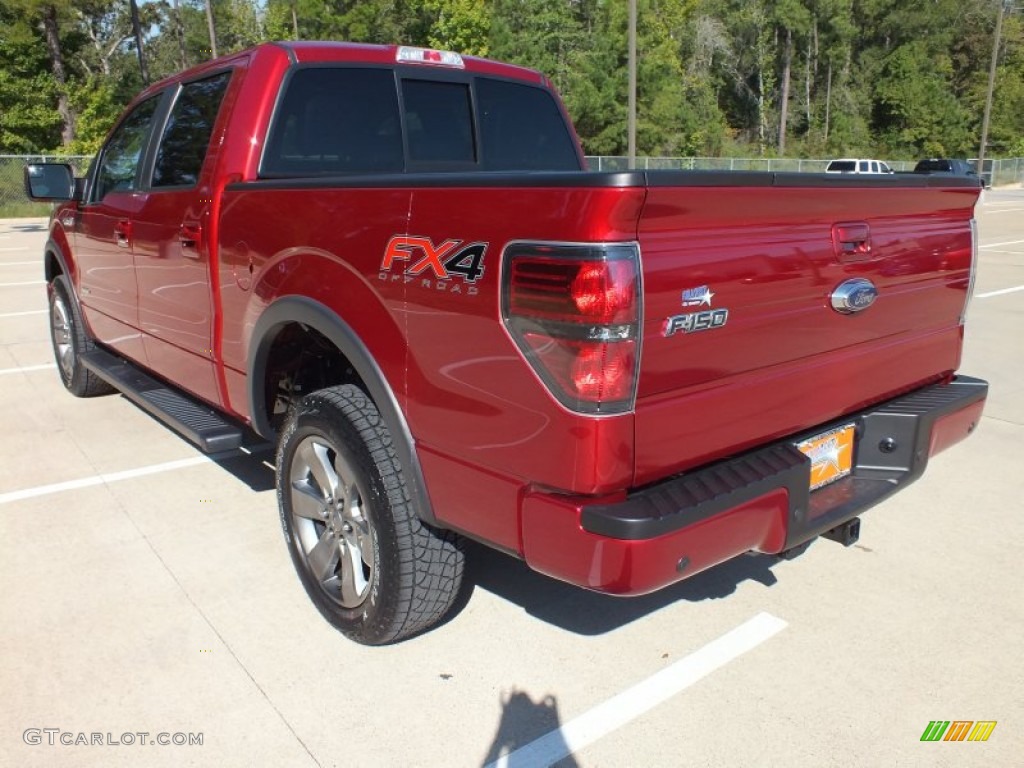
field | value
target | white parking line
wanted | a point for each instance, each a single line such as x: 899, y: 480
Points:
x: 5, y: 371
x: 1005, y: 210
x: 23, y: 314
x: 114, y: 477
x: 996, y: 245
x: 29, y: 282
x: 644, y: 696
x: 1003, y: 292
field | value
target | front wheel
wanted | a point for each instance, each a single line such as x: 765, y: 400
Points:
x: 69, y: 339
x: 369, y: 564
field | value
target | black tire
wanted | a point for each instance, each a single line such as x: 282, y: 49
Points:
x: 369, y: 564
x: 70, y: 340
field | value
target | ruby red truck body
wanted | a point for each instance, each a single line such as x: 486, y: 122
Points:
x: 714, y: 346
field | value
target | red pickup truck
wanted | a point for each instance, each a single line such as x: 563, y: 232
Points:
x: 392, y: 262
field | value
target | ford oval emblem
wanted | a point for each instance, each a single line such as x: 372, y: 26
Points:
x: 854, y: 296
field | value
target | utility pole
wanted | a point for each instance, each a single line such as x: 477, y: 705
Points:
x: 213, y: 32
x: 631, y: 130
x: 991, y: 84
x: 137, y: 31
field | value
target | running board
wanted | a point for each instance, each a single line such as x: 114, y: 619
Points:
x: 192, y: 420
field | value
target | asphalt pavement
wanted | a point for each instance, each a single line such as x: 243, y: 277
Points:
x: 150, y: 614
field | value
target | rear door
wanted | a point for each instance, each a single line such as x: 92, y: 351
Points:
x: 171, y: 237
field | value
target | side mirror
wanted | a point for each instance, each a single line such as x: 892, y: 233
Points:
x: 50, y: 182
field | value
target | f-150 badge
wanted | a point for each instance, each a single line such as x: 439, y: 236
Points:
x: 692, y: 322
x: 444, y: 267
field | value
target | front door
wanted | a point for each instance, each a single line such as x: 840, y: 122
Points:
x: 103, y: 238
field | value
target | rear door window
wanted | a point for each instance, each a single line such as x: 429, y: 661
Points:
x: 186, y: 137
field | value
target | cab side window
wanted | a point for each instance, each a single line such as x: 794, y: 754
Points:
x: 119, y: 165
x: 187, y: 134
x: 335, y: 120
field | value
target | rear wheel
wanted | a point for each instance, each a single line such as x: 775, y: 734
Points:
x: 67, y: 333
x: 369, y: 564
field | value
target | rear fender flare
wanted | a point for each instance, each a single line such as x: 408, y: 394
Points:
x: 300, y: 309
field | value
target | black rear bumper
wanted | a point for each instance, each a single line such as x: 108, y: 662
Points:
x: 892, y: 445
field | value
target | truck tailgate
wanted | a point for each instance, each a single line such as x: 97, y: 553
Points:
x: 741, y: 342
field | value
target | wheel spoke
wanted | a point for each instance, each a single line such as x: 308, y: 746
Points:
x: 353, y: 581
x: 323, y: 558
x: 306, y: 501
x: 61, y: 329
x: 359, y: 540
x: 319, y: 462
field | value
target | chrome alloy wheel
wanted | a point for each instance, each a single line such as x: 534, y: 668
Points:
x: 333, y: 536
x: 60, y: 323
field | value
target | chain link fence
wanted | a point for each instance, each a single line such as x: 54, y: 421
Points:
x: 997, y: 172
x: 14, y: 203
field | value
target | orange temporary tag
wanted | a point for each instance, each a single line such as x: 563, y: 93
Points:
x: 831, y: 455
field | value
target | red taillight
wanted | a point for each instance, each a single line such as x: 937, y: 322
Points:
x: 574, y: 312
x: 605, y: 292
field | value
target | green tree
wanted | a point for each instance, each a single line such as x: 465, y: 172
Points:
x: 28, y: 121
x: 458, y: 25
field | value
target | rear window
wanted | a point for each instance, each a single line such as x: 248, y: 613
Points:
x: 336, y: 120
x: 439, y: 121
x: 934, y: 166
x: 187, y: 134
x: 843, y: 166
x: 522, y: 129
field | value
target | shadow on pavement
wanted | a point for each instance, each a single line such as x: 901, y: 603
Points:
x: 590, y: 613
x: 256, y: 470
x: 523, y: 721
x: 563, y: 605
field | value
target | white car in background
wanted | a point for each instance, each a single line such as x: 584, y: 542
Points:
x: 856, y: 165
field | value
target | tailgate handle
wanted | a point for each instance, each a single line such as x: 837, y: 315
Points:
x: 852, y: 240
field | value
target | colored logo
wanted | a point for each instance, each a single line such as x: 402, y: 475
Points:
x: 853, y: 296
x: 697, y: 297
x: 958, y: 730
x: 420, y: 256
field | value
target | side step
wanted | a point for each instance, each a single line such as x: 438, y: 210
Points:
x: 191, y: 419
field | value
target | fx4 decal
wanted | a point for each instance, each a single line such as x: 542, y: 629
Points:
x: 419, y: 257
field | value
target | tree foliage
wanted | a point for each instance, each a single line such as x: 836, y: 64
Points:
x: 805, y: 77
